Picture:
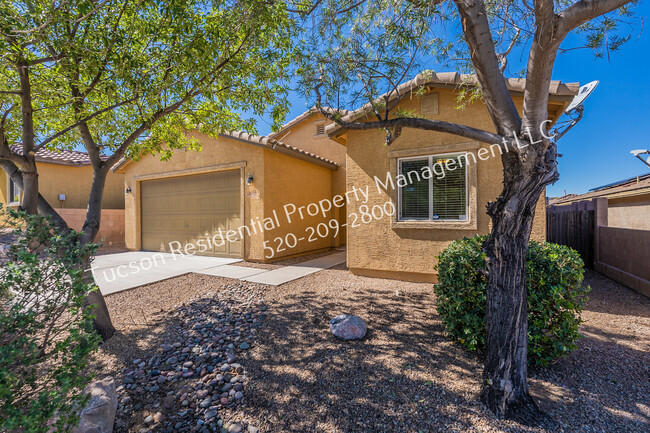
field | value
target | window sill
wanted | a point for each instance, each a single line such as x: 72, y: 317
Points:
x: 442, y: 225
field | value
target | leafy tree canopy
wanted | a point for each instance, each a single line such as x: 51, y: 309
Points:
x: 105, y: 72
x: 359, y: 49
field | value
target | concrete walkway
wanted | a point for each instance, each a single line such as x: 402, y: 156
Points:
x: 117, y: 272
x: 290, y: 273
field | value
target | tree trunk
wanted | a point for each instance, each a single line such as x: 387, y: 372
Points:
x: 43, y: 206
x: 29, y: 200
x: 94, y: 210
x: 102, y: 322
x: 505, y: 386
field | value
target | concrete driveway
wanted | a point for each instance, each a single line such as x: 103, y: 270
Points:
x: 117, y: 272
x: 123, y: 271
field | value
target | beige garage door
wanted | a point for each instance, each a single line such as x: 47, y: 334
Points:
x: 191, y: 210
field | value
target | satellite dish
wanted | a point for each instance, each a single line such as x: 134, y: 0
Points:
x: 583, y: 93
x: 637, y: 153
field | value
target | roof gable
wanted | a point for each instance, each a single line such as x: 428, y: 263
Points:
x: 446, y: 79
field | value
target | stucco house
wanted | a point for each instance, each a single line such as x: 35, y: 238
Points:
x: 244, y: 196
x: 64, y: 180
x: 314, y: 185
x: 409, y: 225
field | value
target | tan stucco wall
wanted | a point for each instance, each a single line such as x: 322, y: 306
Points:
x: 303, y: 136
x: 290, y: 181
x: 278, y: 179
x: 75, y: 183
x: 379, y: 248
x: 624, y: 255
x: 629, y: 212
x: 217, y: 154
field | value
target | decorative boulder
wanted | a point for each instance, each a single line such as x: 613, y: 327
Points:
x: 99, y: 414
x: 348, y: 327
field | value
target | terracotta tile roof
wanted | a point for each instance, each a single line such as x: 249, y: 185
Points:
x: 276, y: 145
x: 270, y: 144
x: 63, y: 157
x: 556, y: 88
x: 303, y: 116
x: 632, y: 186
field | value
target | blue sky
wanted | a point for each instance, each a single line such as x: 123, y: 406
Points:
x: 597, y: 150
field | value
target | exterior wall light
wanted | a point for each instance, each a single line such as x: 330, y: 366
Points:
x: 249, y: 179
x: 128, y: 190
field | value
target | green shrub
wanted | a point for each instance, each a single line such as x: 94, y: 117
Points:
x: 556, y: 296
x: 46, y: 334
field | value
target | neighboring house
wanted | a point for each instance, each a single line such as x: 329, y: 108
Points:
x: 244, y: 196
x: 628, y: 202
x: 620, y: 236
x: 64, y: 180
x: 429, y: 214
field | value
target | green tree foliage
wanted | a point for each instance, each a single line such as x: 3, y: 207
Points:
x: 121, y: 67
x: 46, y: 334
x: 124, y: 78
x: 356, y: 51
x: 556, y: 296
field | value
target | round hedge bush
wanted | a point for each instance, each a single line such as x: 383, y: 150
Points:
x: 556, y: 296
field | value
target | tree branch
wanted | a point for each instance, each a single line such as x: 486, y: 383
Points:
x: 428, y: 125
x: 147, y: 124
x: 79, y: 122
x: 476, y: 29
x: 541, y: 58
x: 583, y: 11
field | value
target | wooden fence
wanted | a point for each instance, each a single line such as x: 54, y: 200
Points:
x: 574, y: 228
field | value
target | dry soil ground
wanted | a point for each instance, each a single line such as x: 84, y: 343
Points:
x: 406, y: 376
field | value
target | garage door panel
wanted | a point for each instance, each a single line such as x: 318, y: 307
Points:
x: 235, y: 248
x: 234, y: 223
x: 193, y: 225
x: 186, y: 209
x: 207, y: 204
x: 234, y: 181
x: 220, y: 183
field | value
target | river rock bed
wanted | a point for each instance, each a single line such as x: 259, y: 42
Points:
x: 196, y: 371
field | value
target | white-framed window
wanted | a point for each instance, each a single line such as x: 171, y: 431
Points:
x: 13, y: 192
x: 433, y: 188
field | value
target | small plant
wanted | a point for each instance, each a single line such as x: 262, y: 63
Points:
x: 556, y: 296
x: 46, y: 333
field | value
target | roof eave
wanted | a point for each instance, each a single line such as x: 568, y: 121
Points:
x: 281, y: 149
x: 558, y: 91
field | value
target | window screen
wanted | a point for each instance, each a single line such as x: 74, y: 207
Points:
x: 434, y: 199
x: 320, y: 129
x: 415, y: 195
x: 449, y: 201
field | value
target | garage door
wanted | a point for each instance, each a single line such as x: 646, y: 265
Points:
x: 187, y: 209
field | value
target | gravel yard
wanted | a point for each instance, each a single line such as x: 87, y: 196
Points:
x: 405, y: 376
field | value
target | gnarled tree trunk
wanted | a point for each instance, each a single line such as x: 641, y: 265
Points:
x: 505, y: 387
